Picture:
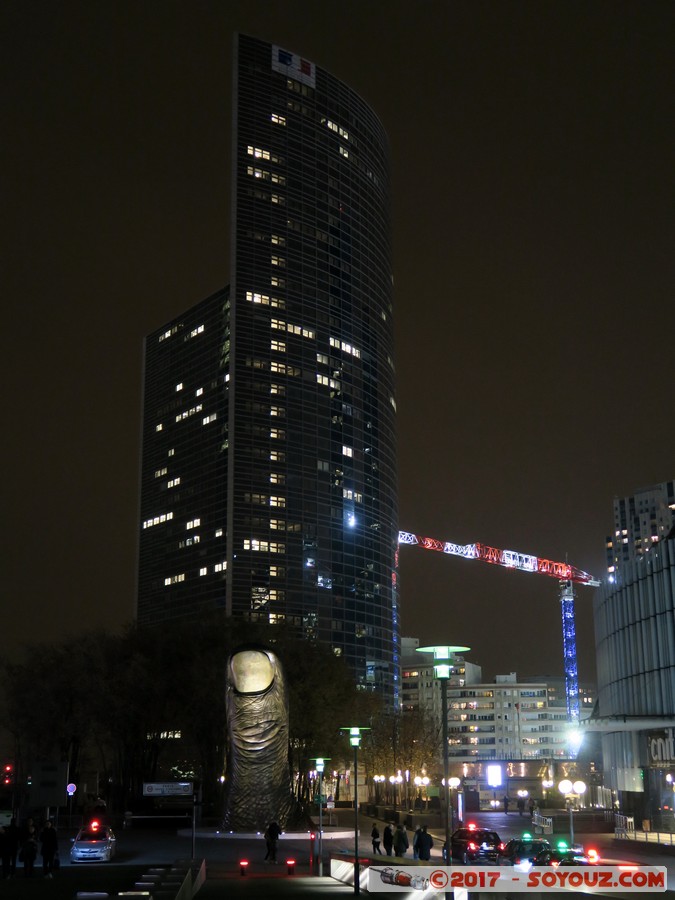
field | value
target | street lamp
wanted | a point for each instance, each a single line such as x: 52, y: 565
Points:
x: 443, y: 656
x: 355, y: 740
x: 393, y: 781
x: 453, y: 784
x: 378, y: 779
x: 421, y: 781
x: 571, y: 791
x: 320, y: 765
x: 546, y: 784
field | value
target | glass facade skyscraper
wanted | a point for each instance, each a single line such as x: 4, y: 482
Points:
x: 269, y: 445
x: 634, y: 617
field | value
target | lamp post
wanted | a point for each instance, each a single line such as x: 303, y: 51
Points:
x: 421, y: 781
x: 571, y: 791
x: 546, y: 784
x: 394, y: 780
x: 320, y: 766
x: 355, y: 740
x: 378, y: 779
x: 453, y: 784
x: 443, y: 656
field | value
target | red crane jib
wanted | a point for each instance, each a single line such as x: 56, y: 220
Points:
x: 510, y: 559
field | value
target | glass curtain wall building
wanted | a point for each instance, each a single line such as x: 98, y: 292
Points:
x: 634, y: 616
x: 269, y: 447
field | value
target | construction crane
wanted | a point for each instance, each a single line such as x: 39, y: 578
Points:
x: 566, y: 575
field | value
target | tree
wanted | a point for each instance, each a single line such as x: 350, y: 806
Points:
x: 117, y: 702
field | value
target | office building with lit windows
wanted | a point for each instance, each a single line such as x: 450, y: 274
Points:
x: 640, y: 521
x: 268, y: 483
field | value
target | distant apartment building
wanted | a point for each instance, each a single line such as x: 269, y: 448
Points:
x: 640, y: 521
x: 419, y: 688
x: 506, y: 720
x: 556, y: 686
x: 634, y: 614
x: 501, y: 720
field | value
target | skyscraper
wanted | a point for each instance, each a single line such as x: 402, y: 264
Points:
x: 640, y: 521
x: 634, y: 615
x: 269, y: 446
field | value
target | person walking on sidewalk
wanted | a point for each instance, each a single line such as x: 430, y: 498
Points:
x: 272, y: 835
x: 424, y: 843
x: 401, y: 842
x: 50, y: 846
x: 375, y: 837
x: 388, y: 839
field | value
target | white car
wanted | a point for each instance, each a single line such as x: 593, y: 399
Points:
x: 94, y: 843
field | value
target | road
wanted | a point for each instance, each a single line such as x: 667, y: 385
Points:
x: 142, y: 848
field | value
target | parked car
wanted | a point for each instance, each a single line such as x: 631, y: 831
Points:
x: 93, y: 843
x: 471, y: 843
x: 522, y: 851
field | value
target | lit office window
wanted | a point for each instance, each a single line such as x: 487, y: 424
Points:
x: 158, y: 520
x: 174, y: 579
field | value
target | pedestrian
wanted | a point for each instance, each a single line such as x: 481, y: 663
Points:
x: 531, y: 807
x: 12, y: 831
x: 401, y: 842
x: 424, y: 843
x: 521, y: 805
x: 415, y: 836
x: 49, y: 849
x: 375, y: 837
x: 388, y: 839
x: 29, y: 848
x: 505, y: 801
x: 272, y: 835
x: 4, y: 852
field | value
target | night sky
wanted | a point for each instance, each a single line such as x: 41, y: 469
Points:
x: 533, y: 148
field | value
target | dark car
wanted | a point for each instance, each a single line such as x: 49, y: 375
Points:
x: 557, y: 858
x: 471, y: 843
x: 522, y: 851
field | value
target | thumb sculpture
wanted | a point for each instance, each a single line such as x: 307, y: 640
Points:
x: 258, y: 786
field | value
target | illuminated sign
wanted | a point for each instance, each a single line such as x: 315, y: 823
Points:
x: 661, y: 747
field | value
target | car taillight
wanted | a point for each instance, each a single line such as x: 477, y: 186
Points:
x: 472, y: 846
x: 593, y: 856
x: 502, y: 846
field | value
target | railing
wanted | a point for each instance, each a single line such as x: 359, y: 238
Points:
x: 624, y: 826
x: 545, y: 823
